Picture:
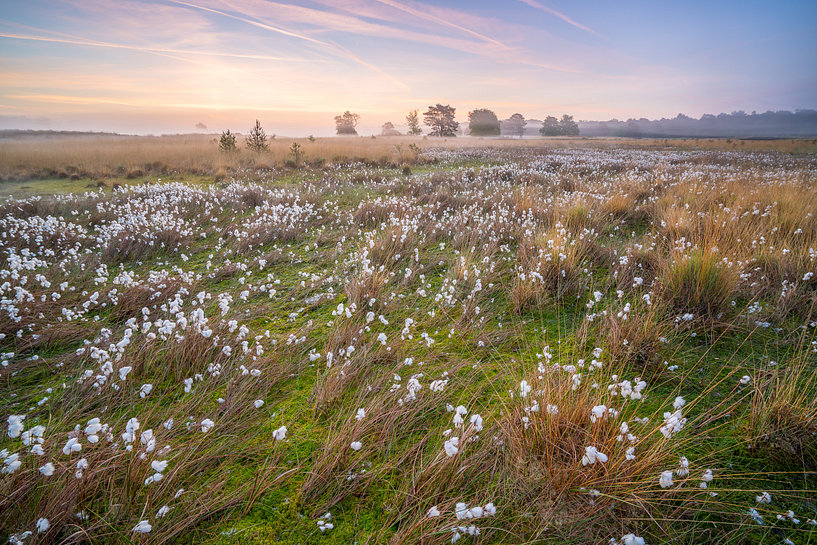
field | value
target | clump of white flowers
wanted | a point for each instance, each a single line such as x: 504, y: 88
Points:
x: 324, y: 523
x: 592, y: 455
x: 280, y: 434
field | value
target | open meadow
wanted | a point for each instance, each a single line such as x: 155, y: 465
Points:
x: 408, y: 340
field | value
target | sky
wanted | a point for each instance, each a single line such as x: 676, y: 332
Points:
x: 166, y: 66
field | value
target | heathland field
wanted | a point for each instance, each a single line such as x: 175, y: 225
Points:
x: 408, y: 341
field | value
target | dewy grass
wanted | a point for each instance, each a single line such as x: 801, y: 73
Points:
x: 516, y: 343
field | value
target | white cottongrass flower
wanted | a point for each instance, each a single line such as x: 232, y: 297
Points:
x: 258, y: 403
x: 597, y: 412
x: 433, y: 512
x: 592, y: 455
x: 745, y: 379
x: 47, y: 469
x: 462, y: 511
x: 206, y: 425
x: 490, y: 509
x: 324, y: 524
x: 356, y: 445
x: 123, y: 372
x: 632, y: 539
x: 163, y: 510
x: 665, y: 480
x: 757, y: 517
x: 361, y: 414
x: 280, y: 434
x: 158, y: 466
x: 524, y: 388
x: 764, y: 498
x: 451, y: 446
x: 673, y: 423
x: 82, y: 465
x: 130, y: 430
x: 476, y: 422
x: 143, y: 527
x: 145, y: 390
x: 15, y: 423
x: 11, y: 462
x: 42, y: 525
x: 683, y: 464
x: 92, y: 429
x: 73, y: 445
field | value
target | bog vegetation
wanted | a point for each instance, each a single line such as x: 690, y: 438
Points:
x: 520, y: 344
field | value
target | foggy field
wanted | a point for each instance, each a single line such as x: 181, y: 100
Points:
x: 401, y: 340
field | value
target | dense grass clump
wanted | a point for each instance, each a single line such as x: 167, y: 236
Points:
x: 700, y: 284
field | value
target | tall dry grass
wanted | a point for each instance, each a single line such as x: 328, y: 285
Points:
x: 114, y: 156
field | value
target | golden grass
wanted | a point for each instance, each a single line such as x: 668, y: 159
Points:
x: 58, y: 156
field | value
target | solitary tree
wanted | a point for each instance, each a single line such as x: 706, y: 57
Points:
x: 516, y: 125
x: 413, y: 122
x: 296, y: 150
x: 441, y: 120
x: 568, y: 126
x: 226, y: 143
x: 483, y: 123
x: 346, y: 123
x: 389, y: 130
x: 257, y: 139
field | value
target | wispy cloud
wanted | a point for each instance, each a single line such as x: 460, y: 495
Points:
x: 560, y: 15
x: 147, y: 49
x: 258, y: 24
x: 342, y: 51
x: 429, y: 16
x: 386, y: 19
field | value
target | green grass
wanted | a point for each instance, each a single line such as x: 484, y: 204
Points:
x: 486, y: 356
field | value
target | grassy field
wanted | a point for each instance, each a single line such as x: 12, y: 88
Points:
x: 111, y: 159
x: 409, y: 341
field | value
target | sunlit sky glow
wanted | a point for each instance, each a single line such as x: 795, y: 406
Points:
x: 164, y: 66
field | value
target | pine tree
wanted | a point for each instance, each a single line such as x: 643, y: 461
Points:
x: 257, y: 139
x: 413, y: 122
x: 226, y: 143
x: 441, y: 120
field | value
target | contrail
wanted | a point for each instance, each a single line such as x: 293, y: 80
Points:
x: 253, y: 23
x: 94, y: 43
x: 335, y: 47
x: 438, y: 20
x: 560, y: 15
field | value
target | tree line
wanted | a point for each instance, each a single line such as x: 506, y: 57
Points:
x: 439, y: 118
x: 481, y: 122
